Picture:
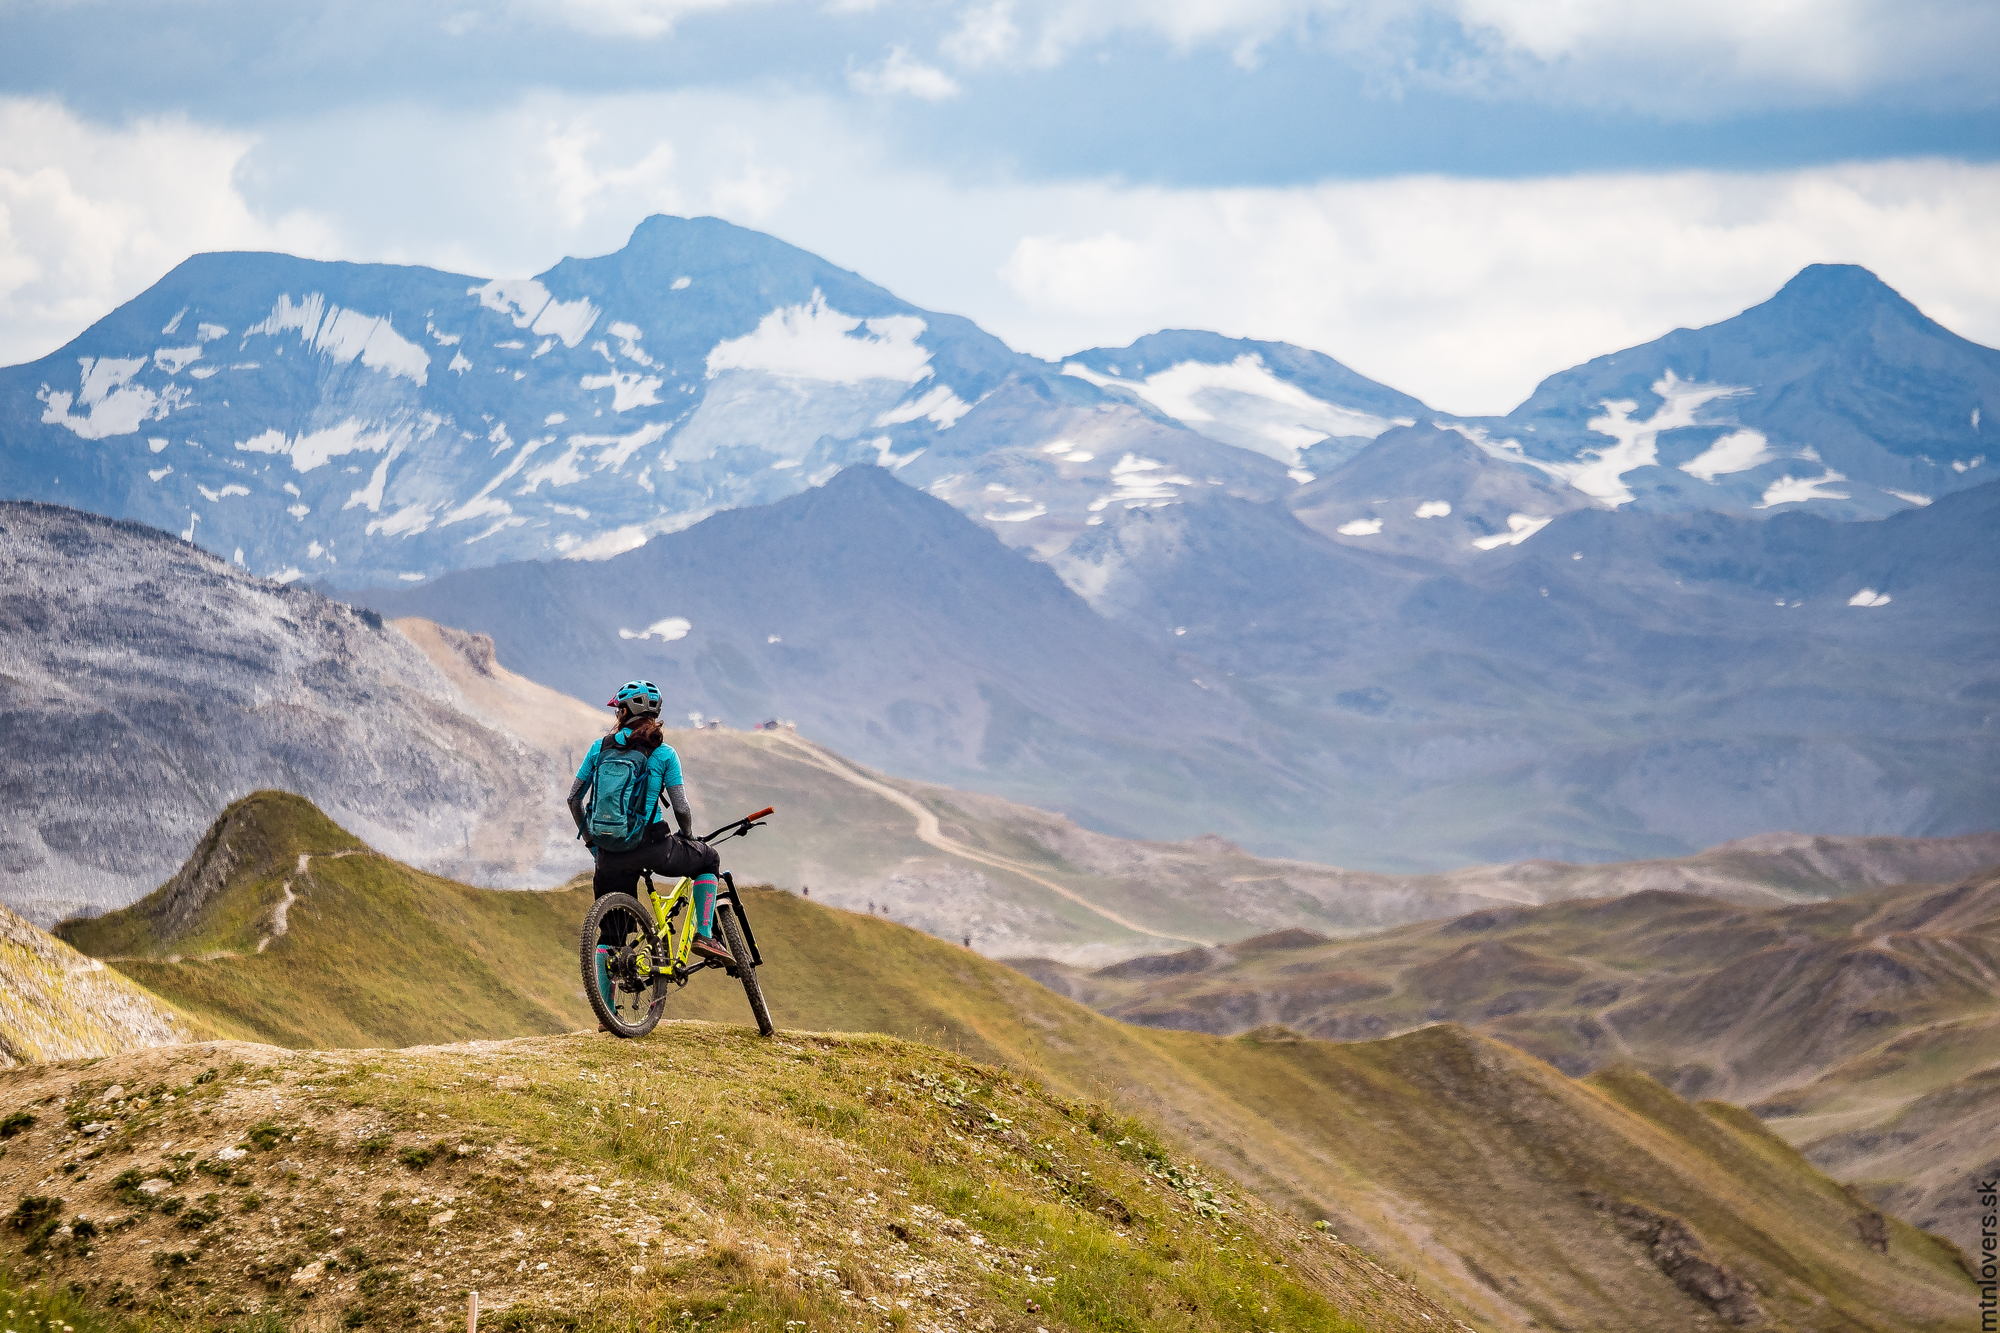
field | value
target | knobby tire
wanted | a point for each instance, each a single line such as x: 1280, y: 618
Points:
x: 739, y: 949
x: 587, y: 941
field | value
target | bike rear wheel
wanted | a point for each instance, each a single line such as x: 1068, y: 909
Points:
x: 739, y: 949
x: 621, y: 959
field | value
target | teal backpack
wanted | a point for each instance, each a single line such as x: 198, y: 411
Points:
x: 618, y: 813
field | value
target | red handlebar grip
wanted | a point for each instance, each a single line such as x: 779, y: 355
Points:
x: 760, y: 814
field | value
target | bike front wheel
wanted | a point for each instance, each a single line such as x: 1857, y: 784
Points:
x: 739, y: 949
x: 623, y: 976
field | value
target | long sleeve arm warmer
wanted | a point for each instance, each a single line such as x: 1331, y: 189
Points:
x: 677, y: 798
x: 576, y: 793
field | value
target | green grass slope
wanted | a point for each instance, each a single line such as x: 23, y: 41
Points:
x: 1832, y: 1020
x: 1520, y: 1197
x: 57, y: 1004
x: 577, y: 1183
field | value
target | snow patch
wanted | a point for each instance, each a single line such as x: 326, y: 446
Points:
x: 1243, y: 403
x: 939, y: 405
x: 1035, y: 510
x: 344, y: 335
x: 629, y: 389
x: 442, y: 338
x: 231, y: 489
x: 628, y: 336
x: 616, y: 542
x: 1520, y: 527
x: 174, y: 323
x: 1600, y: 473
x: 116, y: 407
x: 157, y: 444
x: 1360, y: 527
x: 459, y: 365
x: 404, y: 522
x: 315, y: 448
x: 1957, y: 464
x: 1300, y: 475
x: 680, y: 284
x: 174, y: 360
x: 816, y: 342
x: 530, y: 306
x: 1433, y: 509
x: 208, y: 333
x: 1067, y: 451
x: 1796, y: 490
x: 155, y: 473
x: 666, y: 631
x: 1909, y: 497
x: 1869, y: 597
x: 1738, y: 451
x: 614, y: 451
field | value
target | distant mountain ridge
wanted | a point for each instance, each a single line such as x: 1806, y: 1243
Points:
x: 364, y: 422
x: 1633, y: 685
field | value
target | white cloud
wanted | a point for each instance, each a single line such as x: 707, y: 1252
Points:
x: 91, y: 215
x: 1467, y: 292
x: 620, y: 18
x: 1690, y: 58
x: 902, y: 75
x: 1463, y: 292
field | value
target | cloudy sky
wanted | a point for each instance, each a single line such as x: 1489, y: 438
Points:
x: 1455, y: 196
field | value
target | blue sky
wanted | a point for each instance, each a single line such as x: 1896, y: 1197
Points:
x: 1457, y: 196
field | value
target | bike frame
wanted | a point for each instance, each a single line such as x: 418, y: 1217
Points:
x: 677, y: 928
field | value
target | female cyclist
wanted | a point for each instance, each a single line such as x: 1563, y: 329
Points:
x: 655, y: 848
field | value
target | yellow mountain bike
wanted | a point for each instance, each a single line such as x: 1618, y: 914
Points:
x: 635, y: 945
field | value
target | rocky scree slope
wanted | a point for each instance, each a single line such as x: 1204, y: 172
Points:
x: 144, y: 684
x: 1515, y: 1195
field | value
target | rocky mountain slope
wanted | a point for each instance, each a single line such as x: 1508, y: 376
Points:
x: 1627, y: 685
x: 1865, y: 1029
x: 58, y: 1004
x: 145, y: 683
x: 1433, y: 1151
x: 1623, y: 684
x: 1836, y: 395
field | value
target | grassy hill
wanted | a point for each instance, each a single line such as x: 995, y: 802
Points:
x: 1850, y: 1026
x: 1517, y: 1196
x: 579, y: 1183
x: 56, y: 1004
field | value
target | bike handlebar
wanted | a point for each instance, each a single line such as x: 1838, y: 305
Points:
x: 737, y: 827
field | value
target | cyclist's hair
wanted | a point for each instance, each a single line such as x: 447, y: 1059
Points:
x: 644, y: 733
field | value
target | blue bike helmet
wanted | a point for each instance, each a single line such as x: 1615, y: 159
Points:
x: 640, y: 698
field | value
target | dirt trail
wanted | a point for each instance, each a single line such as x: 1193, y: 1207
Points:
x: 280, y: 916
x: 931, y: 833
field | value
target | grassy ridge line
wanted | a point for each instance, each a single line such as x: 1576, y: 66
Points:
x: 1832, y: 1020
x: 1422, y: 1148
